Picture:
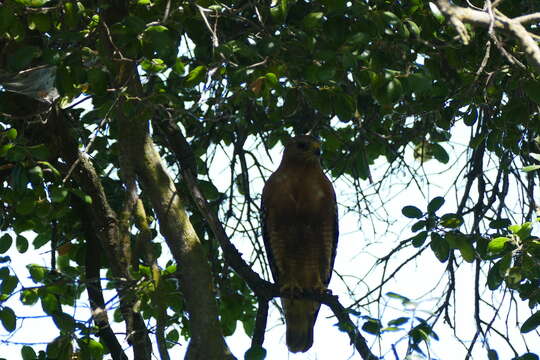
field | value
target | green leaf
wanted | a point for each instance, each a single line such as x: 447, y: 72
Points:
x: 397, y: 296
x: 532, y: 89
x: 248, y: 324
x: 153, y: 65
x: 35, y: 174
x: 29, y: 296
x: 82, y: 195
x: 4, y: 149
x: 64, y: 322
x: 91, y: 349
x: 158, y: 42
x: 10, y: 134
x: 284, y: 7
x: 27, y: 205
x: 272, y: 80
x: 5, y: 243
x: 419, y: 83
x: 8, y: 319
x: 531, y: 323
x: 37, y: 272
x: 390, y: 328
x: 504, y: 264
x: 28, y: 353
x: 60, y: 348
x: 172, y: 338
x: 413, y: 27
x: 58, y: 194
x: 451, y: 221
x: 530, y: 168
x: 372, y: 326
x: 49, y: 166
x: 22, y: 244
x: 39, y: 152
x: 496, y: 245
x: 436, y: 13
x: 394, y: 91
x: 492, y: 355
x: 358, y: 39
x: 440, y: 247
x: 467, y: 250
x: 440, y: 153
x: 195, y: 76
x: 255, y: 353
x: 418, y: 225
x: 9, y: 284
x: 179, y: 67
x: 524, y: 231
x: 494, y: 279
x: 312, y: 20
x: 208, y: 189
x: 527, y: 356
x: 41, y: 240
x: 49, y: 303
x: 412, y: 212
x: 419, y: 239
x: 435, y: 204
x: 399, y: 321
x: 470, y: 118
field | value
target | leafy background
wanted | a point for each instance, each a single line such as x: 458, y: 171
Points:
x: 388, y: 86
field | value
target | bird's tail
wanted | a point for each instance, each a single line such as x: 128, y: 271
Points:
x: 300, y: 316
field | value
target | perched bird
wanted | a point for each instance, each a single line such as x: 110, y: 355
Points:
x: 300, y: 231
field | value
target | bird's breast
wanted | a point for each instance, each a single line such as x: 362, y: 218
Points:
x: 301, y: 198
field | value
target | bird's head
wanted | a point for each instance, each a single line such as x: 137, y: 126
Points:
x: 303, y: 149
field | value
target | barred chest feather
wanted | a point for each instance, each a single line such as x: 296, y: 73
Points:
x: 300, y: 196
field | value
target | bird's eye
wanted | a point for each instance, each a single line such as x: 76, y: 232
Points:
x: 302, y: 145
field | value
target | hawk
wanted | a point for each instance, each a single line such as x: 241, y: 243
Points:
x: 300, y: 231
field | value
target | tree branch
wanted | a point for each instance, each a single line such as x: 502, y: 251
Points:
x: 458, y: 16
x: 207, y: 341
x: 93, y: 284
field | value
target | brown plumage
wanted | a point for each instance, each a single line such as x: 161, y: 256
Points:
x: 300, y: 231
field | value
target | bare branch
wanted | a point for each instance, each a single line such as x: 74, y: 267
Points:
x: 458, y: 16
x: 527, y: 18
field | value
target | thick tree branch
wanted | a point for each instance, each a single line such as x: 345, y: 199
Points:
x: 459, y: 16
x: 207, y: 341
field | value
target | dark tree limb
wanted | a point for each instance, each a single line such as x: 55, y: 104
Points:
x: 263, y: 289
x: 93, y: 284
x: 106, y: 226
x: 260, y: 323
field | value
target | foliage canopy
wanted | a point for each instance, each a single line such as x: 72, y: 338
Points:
x: 176, y: 87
